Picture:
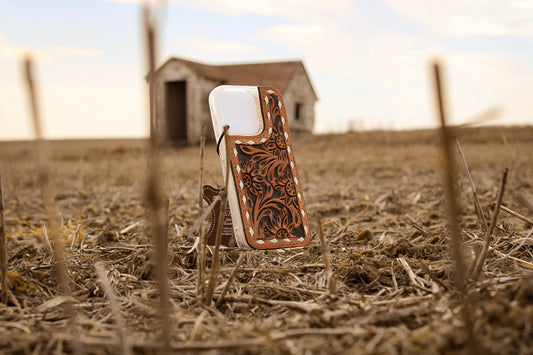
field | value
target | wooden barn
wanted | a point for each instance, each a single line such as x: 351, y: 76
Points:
x: 182, y: 89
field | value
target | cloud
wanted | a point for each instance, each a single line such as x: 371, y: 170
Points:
x: 477, y: 81
x: 372, y: 77
x: 382, y: 77
x: 133, y: 1
x: 298, y: 10
x: 335, y: 51
x: 8, y: 50
x: 74, y: 88
x: 464, y: 18
x: 12, y: 51
x: 74, y: 52
x: 76, y: 109
x: 198, y: 46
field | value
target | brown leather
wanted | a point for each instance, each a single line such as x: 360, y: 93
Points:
x: 267, y: 183
x: 209, y: 194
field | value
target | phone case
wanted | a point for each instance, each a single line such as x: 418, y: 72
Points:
x: 264, y: 191
x: 227, y: 240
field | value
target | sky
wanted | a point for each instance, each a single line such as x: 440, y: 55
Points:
x: 369, y: 61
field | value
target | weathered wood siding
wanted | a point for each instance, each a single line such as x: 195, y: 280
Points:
x: 300, y: 91
x: 197, y: 93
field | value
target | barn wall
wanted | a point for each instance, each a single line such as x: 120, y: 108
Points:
x: 198, y: 89
x: 172, y: 72
x: 300, y: 91
x: 205, y: 87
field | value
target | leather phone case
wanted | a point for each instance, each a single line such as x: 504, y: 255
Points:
x: 264, y: 191
x: 226, y: 239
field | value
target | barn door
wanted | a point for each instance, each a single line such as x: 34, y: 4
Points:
x: 176, y: 110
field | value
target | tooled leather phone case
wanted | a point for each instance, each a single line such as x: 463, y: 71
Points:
x: 266, y: 181
x: 226, y: 239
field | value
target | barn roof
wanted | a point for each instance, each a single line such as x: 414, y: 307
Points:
x: 275, y: 74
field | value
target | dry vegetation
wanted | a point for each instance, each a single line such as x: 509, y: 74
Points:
x: 381, y: 200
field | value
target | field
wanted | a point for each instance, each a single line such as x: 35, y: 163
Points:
x: 381, y: 198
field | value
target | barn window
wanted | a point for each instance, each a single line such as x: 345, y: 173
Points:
x: 298, y: 111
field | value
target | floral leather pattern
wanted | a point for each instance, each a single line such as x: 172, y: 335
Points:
x: 267, y: 183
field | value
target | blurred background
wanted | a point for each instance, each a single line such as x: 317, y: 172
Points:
x: 368, y: 60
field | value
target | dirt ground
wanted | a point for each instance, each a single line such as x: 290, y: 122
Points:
x: 381, y: 198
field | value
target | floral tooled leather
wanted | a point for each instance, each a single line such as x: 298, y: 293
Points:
x: 267, y: 182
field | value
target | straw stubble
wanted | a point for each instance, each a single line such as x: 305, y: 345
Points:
x: 3, y: 248
x: 156, y: 201
x: 201, y: 251
x: 43, y: 172
x: 224, y: 199
x: 453, y: 211
x: 483, y: 255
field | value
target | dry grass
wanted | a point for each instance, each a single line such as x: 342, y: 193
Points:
x: 3, y: 247
x: 382, y: 208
